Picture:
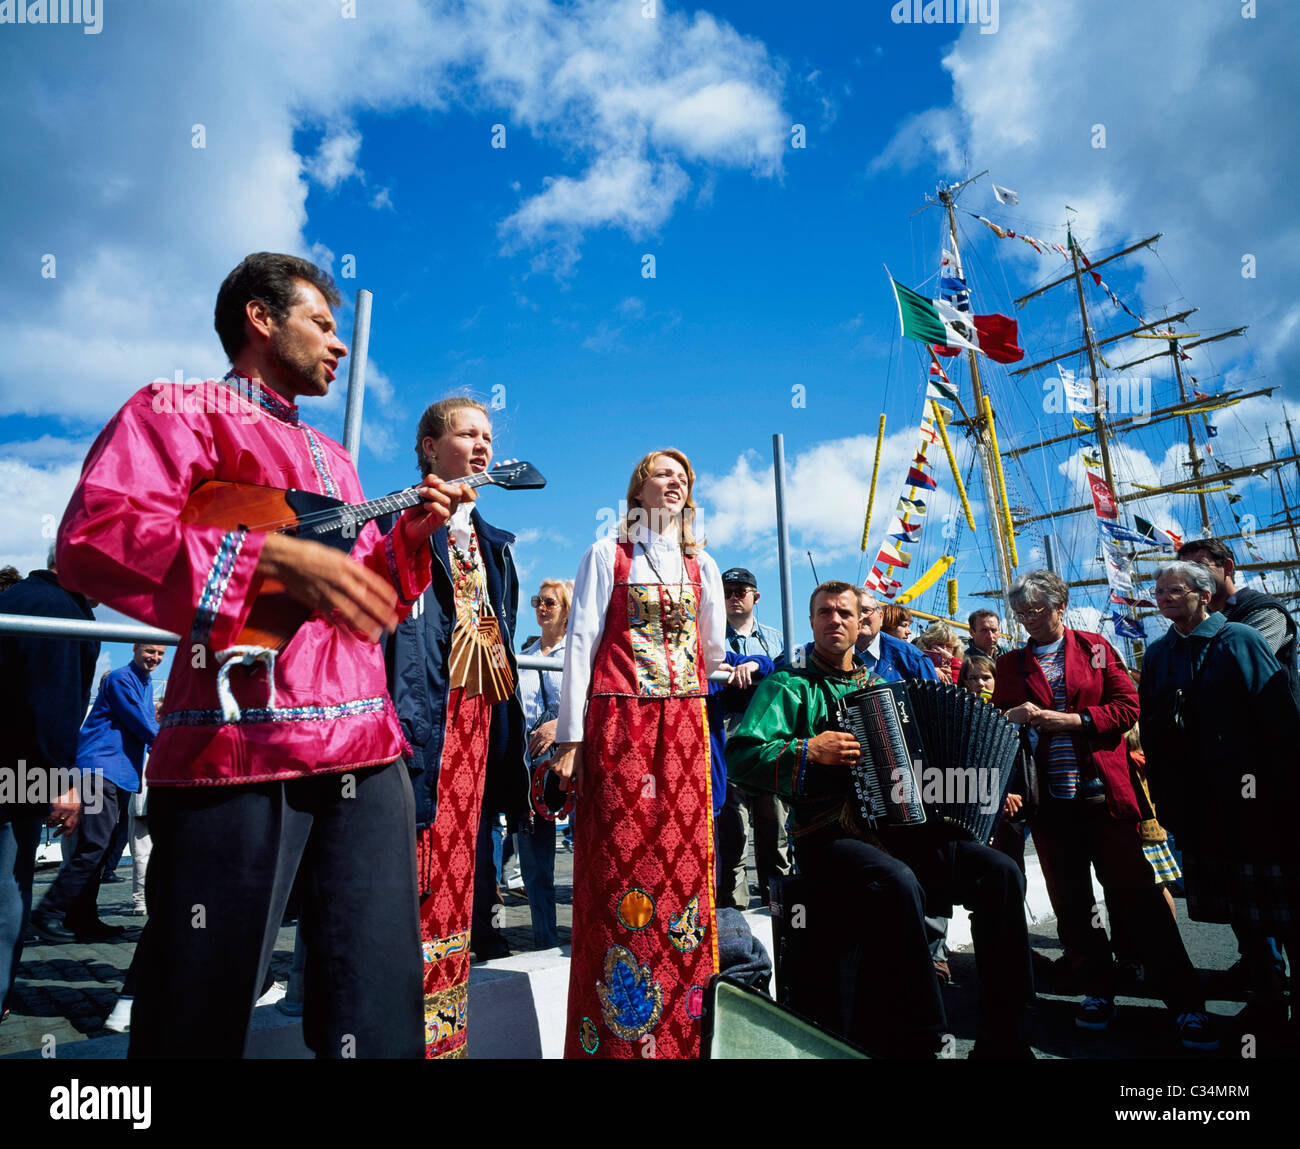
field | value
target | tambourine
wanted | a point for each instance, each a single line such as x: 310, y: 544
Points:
x: 545, y: 796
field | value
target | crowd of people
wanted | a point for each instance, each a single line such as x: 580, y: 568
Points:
x: 362, y: 752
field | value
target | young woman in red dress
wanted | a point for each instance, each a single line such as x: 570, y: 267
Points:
x: 646, y: 627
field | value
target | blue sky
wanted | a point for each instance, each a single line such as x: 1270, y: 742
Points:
x: 516, y: 272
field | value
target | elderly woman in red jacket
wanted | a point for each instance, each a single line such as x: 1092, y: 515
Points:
x: 1070, y: 688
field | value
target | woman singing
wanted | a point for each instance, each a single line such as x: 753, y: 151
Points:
x: 646, y: 626
x: 452, y: 675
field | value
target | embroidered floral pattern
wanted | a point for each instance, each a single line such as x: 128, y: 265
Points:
x: 328, y: 486
x: 663, y: 668
x: 685, y: 930
x: 631, y: 1000
x: 440, y: 948
x: 446, y: 1018
x: 588, y: 1037
x: 214, y: 587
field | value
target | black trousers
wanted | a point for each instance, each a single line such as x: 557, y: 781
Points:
x: 224, y: 860
x: 874, y: 907
x: 74, y: 896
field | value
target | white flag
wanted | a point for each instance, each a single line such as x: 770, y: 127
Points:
x: 1005, y: 195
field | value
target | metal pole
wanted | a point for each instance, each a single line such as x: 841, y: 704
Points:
x: 783, y: 543
x: 1049, y: 552
x: 80, y: 628
x: 357, y: 375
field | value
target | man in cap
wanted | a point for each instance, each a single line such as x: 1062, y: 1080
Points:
x: 746, y: 636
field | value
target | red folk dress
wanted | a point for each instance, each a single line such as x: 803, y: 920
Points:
x: 644, y: 931
x: 445, y: 851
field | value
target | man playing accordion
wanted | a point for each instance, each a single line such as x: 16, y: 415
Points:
x: 867, y: 920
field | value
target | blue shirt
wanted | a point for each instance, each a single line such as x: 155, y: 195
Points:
x: 119, y: 727
x: 900, y: 660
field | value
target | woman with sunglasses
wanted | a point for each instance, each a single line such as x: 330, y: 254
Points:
x: 1070, y: 690
x: 539, y: 691
x: 647, y: 627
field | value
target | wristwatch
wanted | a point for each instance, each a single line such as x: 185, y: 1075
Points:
x: 1086, y: 719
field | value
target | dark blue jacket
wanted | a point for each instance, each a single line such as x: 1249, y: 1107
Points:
x: 724, y: 699
x: 119, y: 727
x: 417, y: 657
x: 44, y: 682
x: 901, y: 660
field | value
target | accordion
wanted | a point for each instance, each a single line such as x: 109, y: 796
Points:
x: 931, y: 753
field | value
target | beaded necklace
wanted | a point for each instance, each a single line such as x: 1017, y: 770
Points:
x: 674, y: 614
x: 467, y: 576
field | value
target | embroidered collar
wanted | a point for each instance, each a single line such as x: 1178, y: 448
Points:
x: 859, y: 674
x: 267, y: 399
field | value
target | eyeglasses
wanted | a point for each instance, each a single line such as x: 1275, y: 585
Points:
x: 873, y: 609
x: 537, y: 601
x: 736, y: 591
x: 1033, y: 613
x: 1173, y: 591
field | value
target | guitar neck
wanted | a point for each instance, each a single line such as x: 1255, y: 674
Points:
x: 358, y: 514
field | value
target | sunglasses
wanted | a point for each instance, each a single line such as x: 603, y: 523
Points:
x: 736, y: 591
x: 537, y: 601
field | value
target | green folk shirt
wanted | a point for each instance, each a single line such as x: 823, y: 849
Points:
x: 766, y: 754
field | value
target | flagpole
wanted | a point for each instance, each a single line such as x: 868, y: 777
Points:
x: 783, y: 543
x: 983, y: 447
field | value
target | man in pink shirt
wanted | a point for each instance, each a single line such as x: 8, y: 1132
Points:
x: 266, y: 760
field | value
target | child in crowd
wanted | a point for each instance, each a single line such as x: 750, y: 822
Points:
x: 978, y: 673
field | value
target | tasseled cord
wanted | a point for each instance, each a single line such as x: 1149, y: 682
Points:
x: 243, y: 656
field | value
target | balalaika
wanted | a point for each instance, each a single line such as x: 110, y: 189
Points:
x: 930, y: 752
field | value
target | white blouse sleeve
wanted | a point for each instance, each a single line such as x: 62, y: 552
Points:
x: 713, y: 614
x: 592, y: 589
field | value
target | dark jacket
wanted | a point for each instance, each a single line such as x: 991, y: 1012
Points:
x: 417, y: 657
x: 1254, y: 608
x: 1096, y: 684
x: 44, y: 682
x: 1227, y: 782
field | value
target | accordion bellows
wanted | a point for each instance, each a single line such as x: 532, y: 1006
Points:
x: 930, y: 752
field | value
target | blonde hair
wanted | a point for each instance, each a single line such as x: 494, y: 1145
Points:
x: 690, y: 544
x: 936, y: 635
x: 436, y: 422
x: 563, y: 591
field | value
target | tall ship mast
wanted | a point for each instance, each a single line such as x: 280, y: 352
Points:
x: 1073, y: 461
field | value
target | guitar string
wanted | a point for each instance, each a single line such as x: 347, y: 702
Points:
x: 381, y: 506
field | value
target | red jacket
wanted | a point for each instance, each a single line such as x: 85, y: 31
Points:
x: 1096, y: 684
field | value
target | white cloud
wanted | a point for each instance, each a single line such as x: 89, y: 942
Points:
x: 38, y: 479
x: 827, y: 485
x: 336, y: 158
x: 1183, y: 94
x: 143, y: 224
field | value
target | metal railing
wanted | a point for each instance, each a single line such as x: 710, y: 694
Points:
x: 133, y: 632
